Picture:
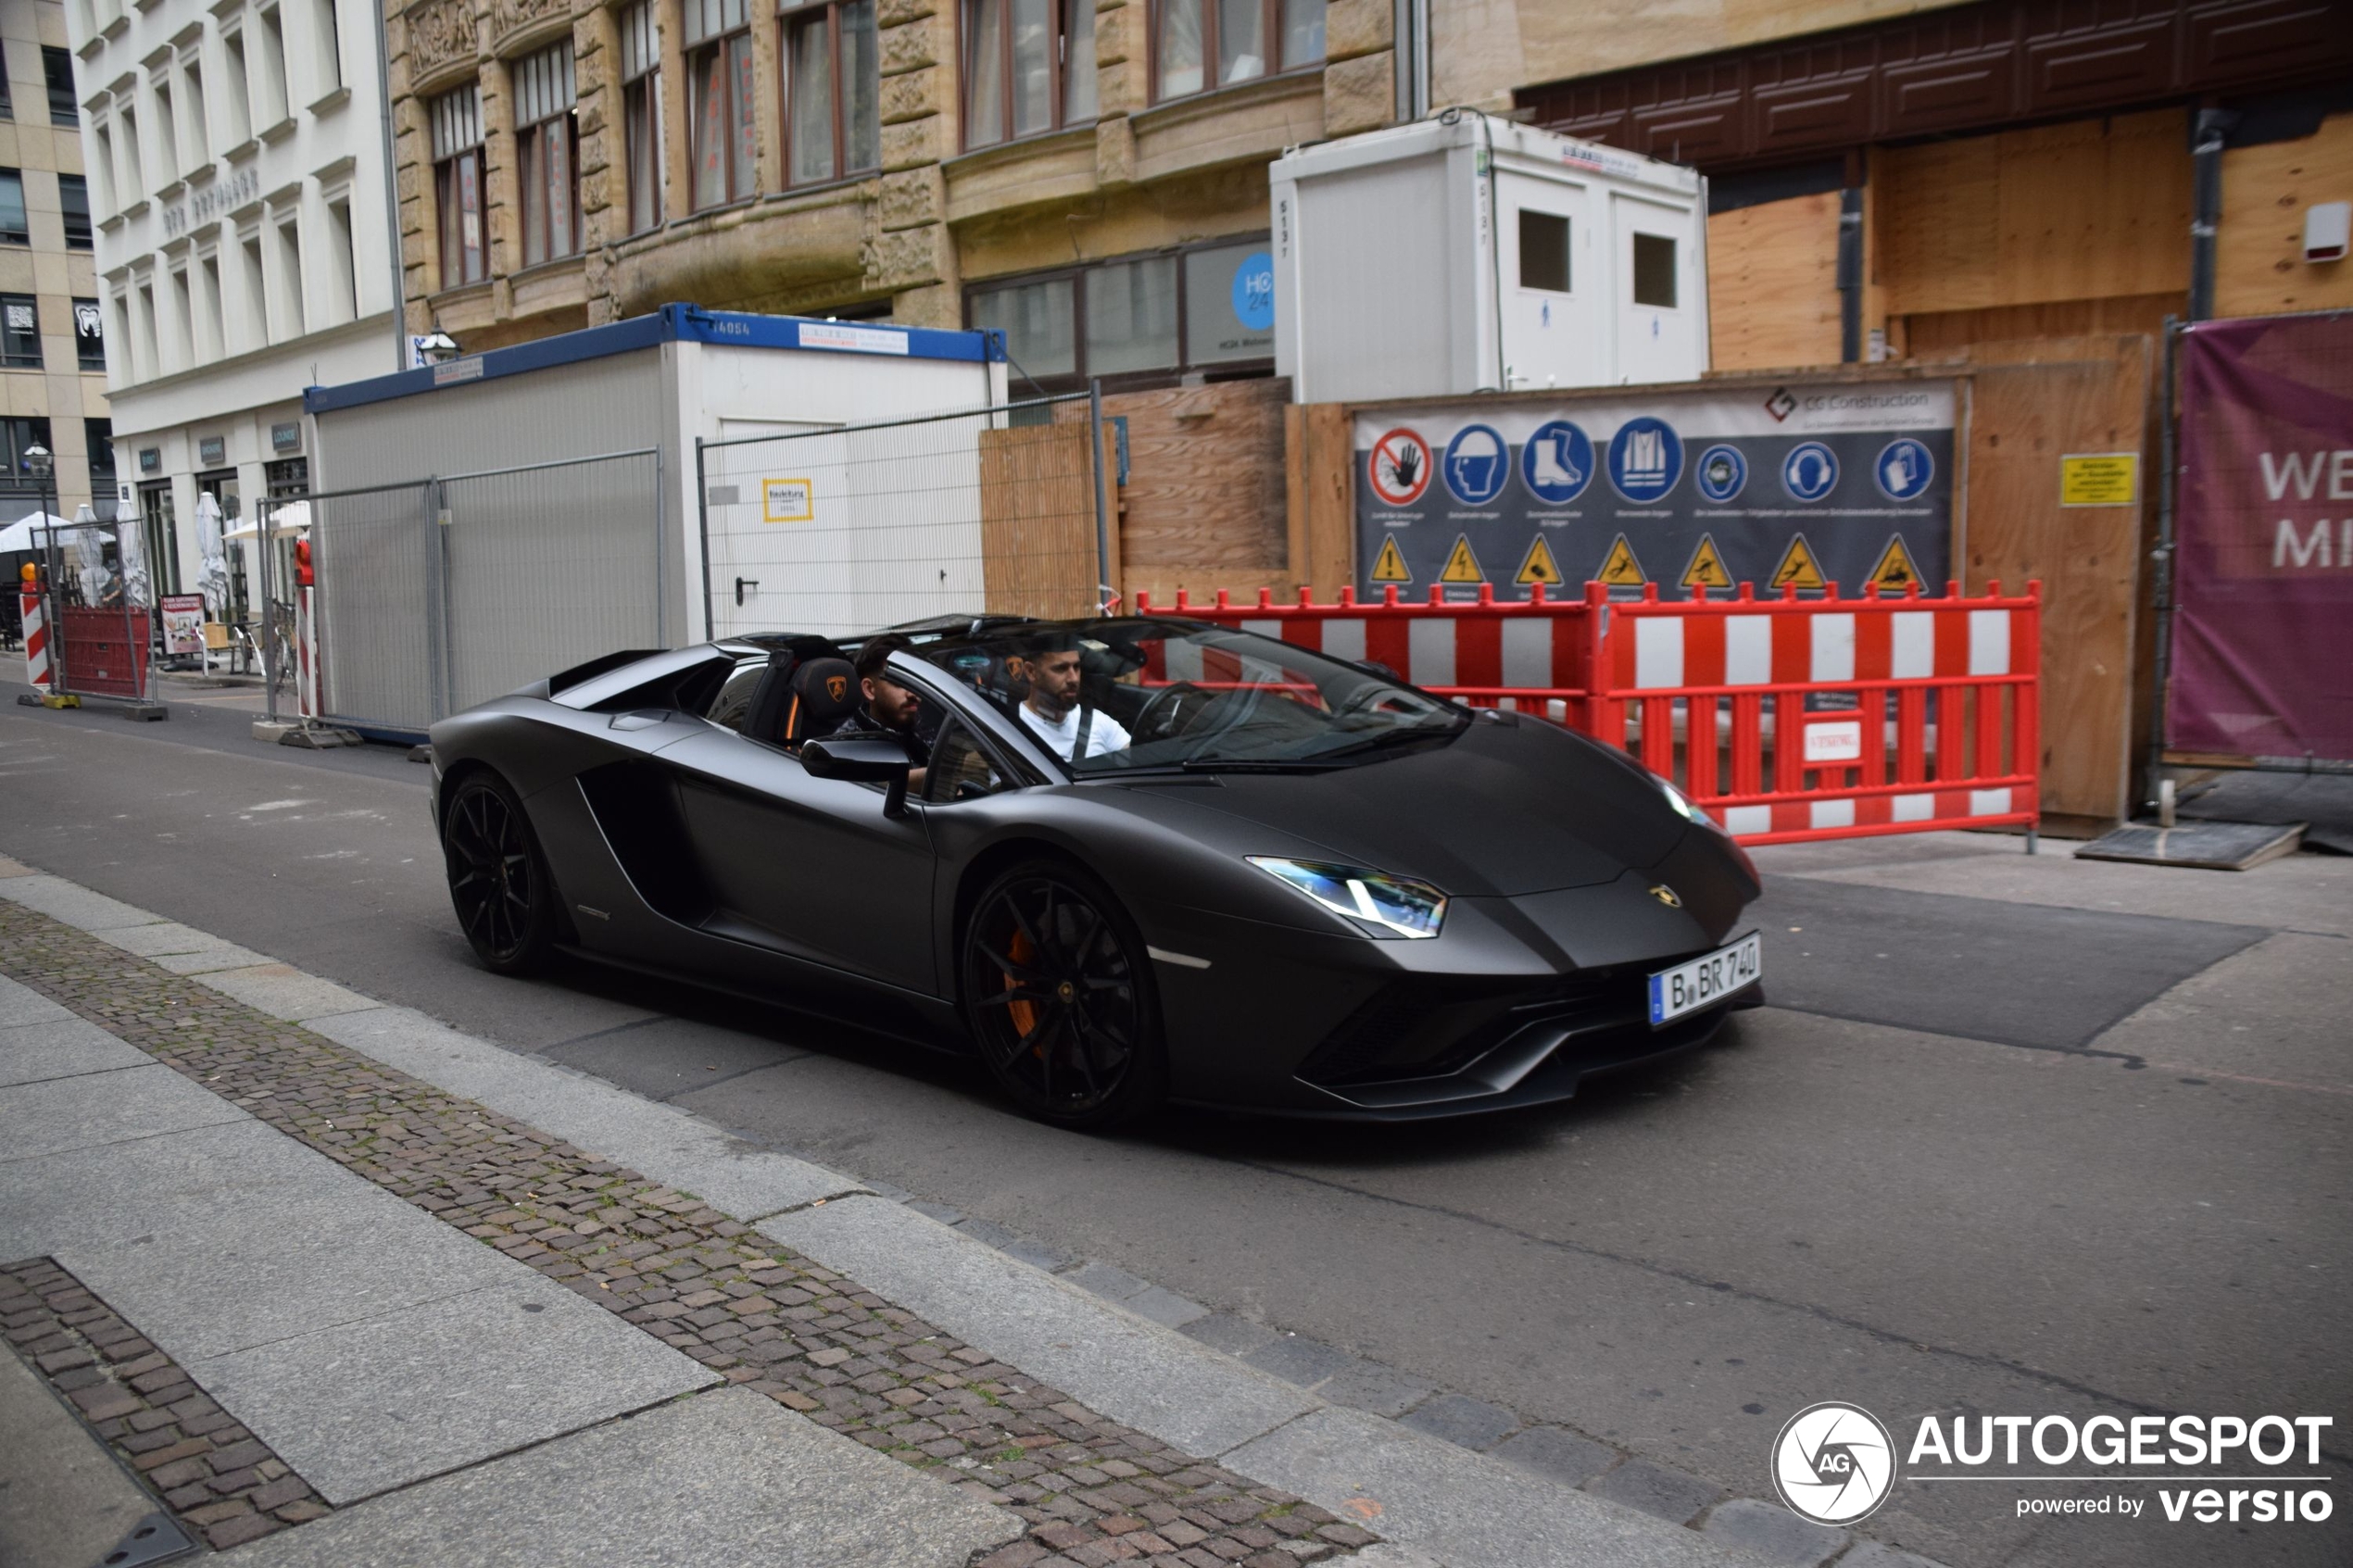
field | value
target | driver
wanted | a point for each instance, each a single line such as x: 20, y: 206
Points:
x: 1070, y: 729
x: 889, y: 708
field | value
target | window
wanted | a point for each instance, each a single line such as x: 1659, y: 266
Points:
x: 89, y: 334
x: 236, y: 93
x: 102, y: 167
x: 1029, y: 66
x: 13, y: 227
x: 8, y: 107
x: 73, y: 200
x: 1144, y: 320
x: 327, y: 31
x: 723, y: 123
x: 1654, y: 270
x: 1543, y: 251
x: 177, y: 331
x: 199, y: 120
x: 290, y: 278
x: 57, y: 71
x: 270, y: 101
x: 641, y: 113
x: 212, y: 338
x: 732, y: 707
x: 457, y: 182
x: 257, y: 297
x: 1234, y: 35
x: 99, y: 439
x: 20, y: 436
x: 343, y: 275
x: 20, y: 331
x: 134, y: 166
x: 167, y: 140
x: 548, y: 154
x: 961, y: 770
x: 833, y: 122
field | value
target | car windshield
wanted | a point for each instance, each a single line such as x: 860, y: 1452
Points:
x: 1154, y: 694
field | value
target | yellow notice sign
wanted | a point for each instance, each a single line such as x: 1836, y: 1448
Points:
x: 1707, y: 569
x: 1895, y: 571
x: 1390, y: 567
x: 2100, y: 479
x: 1461, y: 565
x: 1798, y: 566
x: 1620, y: 568
x: 1540, y: 566
x: 788, y: 500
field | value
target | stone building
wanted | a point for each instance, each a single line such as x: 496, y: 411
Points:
x: 52, y: 343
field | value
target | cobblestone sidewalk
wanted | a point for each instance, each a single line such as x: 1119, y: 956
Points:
x: 1093, y: 1492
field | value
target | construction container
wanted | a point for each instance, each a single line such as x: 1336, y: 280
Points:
x: 1471, y: 254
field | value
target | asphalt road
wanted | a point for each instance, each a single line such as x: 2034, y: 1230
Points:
x: 2016, y: 1137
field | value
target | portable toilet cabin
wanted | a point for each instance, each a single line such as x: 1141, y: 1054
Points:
x: 1467, y: 253
x: 485, y: 522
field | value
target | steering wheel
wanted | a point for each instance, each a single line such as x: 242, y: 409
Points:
x: 1166, y: 714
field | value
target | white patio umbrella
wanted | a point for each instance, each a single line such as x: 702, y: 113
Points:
x: 29, y: 532
x: 90, y: 553
x: 131, y: 551
x: 212, y: 569
x: 291, y: 518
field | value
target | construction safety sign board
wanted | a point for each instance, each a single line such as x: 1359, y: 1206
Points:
x: 2100, y: 479
x: 1714, y: 487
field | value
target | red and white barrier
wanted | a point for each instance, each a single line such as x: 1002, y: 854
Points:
x: 36, y: 643
x: 306, y: 658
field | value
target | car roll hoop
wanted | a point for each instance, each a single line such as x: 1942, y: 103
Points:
x: 877, y: 759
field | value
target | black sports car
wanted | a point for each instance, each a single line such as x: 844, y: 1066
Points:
x: 1125, y: 860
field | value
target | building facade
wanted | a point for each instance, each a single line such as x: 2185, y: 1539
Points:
x: 237, y: 185
x: 52, y: 342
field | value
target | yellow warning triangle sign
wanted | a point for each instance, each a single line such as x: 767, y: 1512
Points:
x: 1895, y: 571
x: 1461, y: 565
x: 1620, y: 568
x: 1390, y: 567
x: 1798, y: 566
x: 1707, y: 569
x: 1540, y: 566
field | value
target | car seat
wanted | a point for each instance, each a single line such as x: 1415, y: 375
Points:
x: 823, y: 693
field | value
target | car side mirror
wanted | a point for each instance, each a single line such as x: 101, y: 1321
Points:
x: 862, y: 760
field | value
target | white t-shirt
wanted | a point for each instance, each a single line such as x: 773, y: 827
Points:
x: 1103, y: 732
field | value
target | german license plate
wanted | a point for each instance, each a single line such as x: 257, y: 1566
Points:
x: 1706, y: 981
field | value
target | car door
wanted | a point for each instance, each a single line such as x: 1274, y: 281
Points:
x: 806, y: 866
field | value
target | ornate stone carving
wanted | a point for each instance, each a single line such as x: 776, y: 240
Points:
x: 508, y: 16
x: 439, y: 33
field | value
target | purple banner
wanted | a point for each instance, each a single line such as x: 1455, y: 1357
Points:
x: 2263, y: 634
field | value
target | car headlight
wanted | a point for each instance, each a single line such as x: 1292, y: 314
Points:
x: 1397, y: 906
x: 1682, y: 806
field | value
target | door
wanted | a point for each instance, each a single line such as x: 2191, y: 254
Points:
x: 776, y: 560
x: 1556, y: 325
x: 808, y: 866
x: 1658, y: 291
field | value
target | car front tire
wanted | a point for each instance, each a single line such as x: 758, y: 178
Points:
x: 499, y: 881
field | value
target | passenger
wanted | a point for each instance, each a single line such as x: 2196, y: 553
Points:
x: 1052, y: 712
x: 887, y: 707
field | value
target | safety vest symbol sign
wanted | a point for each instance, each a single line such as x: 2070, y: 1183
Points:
x: 1798, y: 568
x: 1620, y: 568
x: 1540, y: 566
x: 1895, y: 571
x: 1399, y: 467
x: 1390, y: 567
x: 1461, y: 565
x: 1707, y: 570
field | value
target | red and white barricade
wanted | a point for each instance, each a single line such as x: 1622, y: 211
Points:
x: 306, y: 658
x: 36, y: 643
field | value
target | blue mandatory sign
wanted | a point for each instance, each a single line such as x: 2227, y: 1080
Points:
x: 1721, y: 473
x: 1904, y: 469
x: 1254, y: 291
x: 1557, y: 462
x: 1645, y: 459
x: 1810, y: 471
x: 1476, y: 465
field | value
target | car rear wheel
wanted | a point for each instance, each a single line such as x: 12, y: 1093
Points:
x: 1058, y: 993
x: 498, y: 880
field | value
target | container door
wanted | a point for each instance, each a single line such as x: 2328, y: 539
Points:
x: 1556, y: 325
x: 1658, y: 291
x: 776, y: 564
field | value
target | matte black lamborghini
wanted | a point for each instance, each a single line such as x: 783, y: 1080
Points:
x: 1270, y: 879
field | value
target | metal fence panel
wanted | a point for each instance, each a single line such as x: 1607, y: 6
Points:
x: 377, y: 560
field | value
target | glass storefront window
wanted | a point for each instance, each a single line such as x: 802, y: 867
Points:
x: 1131, y: 316
x: 1230, y: 304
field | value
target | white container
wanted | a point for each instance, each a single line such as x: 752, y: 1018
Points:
x: 1471, y: 254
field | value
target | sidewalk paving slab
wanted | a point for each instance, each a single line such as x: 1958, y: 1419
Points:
x: 1131, y: 1370
x: 74, y: 903
x: 63, y: 1114
x: 722, y: 1478
x: 61, y: 1049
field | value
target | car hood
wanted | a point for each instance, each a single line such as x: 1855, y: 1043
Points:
x: 1506, y: 808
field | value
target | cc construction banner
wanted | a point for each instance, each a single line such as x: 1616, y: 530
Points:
x: 2263, y: 624
x: 1802, y: 484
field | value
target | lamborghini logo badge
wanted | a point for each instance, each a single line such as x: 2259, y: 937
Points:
x: 837, y: 686
x: 1666, y: 896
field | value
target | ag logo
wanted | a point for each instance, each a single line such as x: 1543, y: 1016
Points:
x: 837, y: 686
x: 1833, y: 1463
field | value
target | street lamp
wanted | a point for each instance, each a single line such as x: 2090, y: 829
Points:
x: 435, y: 347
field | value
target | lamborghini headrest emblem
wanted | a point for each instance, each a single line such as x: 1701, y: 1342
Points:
x: 837, y: 686
x: 1666, y: 896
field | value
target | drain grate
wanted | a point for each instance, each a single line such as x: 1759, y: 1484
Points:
x: 155, y: 1539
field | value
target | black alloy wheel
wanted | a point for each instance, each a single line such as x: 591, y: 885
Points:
x: 1058, y: 997
x: 498, y: 880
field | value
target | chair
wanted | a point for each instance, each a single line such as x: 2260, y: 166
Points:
x: 216, y: 641
x: 825, y: 692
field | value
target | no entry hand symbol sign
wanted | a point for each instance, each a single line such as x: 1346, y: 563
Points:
x: 1399, y: 467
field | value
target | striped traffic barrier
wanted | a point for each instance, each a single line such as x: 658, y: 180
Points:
x: 36, y: 642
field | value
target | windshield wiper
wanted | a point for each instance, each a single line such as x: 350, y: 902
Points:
x: 1253, y: 764
x: 1387, y: 739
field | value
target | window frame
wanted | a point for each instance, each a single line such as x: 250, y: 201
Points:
x: 789, y: 15
x: 452, y: 160
x: 63, y: 111
x: 733, y: 31
x: 21, y: 235
x: 1079, y: 274
x: 83, y: 341
x: 1270, y: 19
x: 87, y: 239
x: 1059, y: 117
x: 13, y: 354
x: 534, y: 141
x: 642, y: 129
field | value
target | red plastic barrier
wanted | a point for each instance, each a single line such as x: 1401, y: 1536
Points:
x: 1788, y: 719
x: 106, y: 652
